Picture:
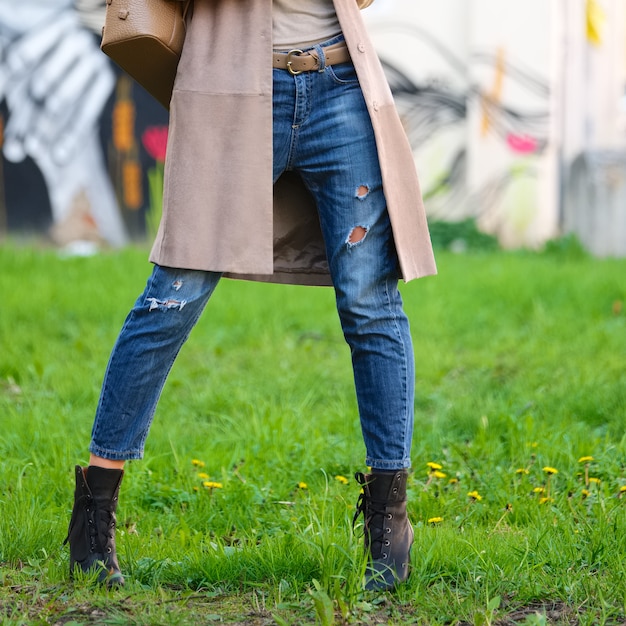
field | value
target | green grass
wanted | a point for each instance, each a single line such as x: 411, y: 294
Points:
x: 520, y: 366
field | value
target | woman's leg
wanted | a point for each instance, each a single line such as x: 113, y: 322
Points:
x: 336, y: 156
x: 334, y: 150
x: 142, y: 357
x: 149, y: 342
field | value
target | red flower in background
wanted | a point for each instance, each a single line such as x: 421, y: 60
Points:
x: 522, y: 144
x: 154, y: 140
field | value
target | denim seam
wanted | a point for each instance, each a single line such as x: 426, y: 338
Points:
x: 405, y: 385
x: 406, y: 461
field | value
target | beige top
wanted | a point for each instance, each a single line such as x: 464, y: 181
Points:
x: 302, y: 23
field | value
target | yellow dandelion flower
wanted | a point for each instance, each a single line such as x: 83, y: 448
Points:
x: 522, y: 470
x: 545, y: 500
x: 203, y: 475
x: 538, y: 490
x: 622, y: 489
x: 302, y: 485
x: 474, y: 495
x: 197, y: 463
x: 453, y: 481
x: 595, y: 481
x: 585, y: 493
x: 435, y: 520
x: 585, y: 459
x: 438, y: 474
x: 434, y: 466
x: 209, y: 484
x: 550, y: 470
x: 342, y: 479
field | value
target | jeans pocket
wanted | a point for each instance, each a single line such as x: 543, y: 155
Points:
x: 343, y: 73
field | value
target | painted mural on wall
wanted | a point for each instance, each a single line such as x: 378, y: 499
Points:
x: 500, y: 101
x: 436, y: 107
x: 508, y: 106
x: 81, y: 143
x: 476, y: 107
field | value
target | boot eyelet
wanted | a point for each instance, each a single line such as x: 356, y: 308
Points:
x: 109, y: 550
x: 384, y: 555
x: 387, y: 543
x: 389, y: 516
x: 388, y: 531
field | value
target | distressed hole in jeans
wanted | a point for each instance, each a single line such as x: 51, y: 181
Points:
x: 177, y: 284
x: 357, y: 234
x: 362, y: 192
x: 155, y: 303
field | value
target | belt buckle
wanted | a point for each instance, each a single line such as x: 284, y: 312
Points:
x: 289, y: 55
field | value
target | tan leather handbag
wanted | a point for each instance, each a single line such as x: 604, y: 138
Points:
x: 145, y: 38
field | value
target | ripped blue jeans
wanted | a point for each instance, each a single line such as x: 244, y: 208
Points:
x: 322, y: 131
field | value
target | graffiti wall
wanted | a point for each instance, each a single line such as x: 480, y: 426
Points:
x: 501, y: 98
x: 506, y: 104
x: 476, y: 100
x: 80, y: 142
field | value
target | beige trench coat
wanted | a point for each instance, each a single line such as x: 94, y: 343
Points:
x: 220, y: 211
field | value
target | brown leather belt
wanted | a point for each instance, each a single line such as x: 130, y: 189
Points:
x: 296, y: 61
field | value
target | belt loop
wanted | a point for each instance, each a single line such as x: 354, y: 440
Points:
x: 318, y: 52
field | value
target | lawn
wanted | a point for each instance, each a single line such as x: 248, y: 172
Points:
x: 241, y: 512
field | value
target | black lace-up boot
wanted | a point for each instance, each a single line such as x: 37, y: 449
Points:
x: 91, y: 534
x: 388, y: 532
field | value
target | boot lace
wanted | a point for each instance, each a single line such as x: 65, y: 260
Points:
x: 101, y: 526
x: 83, y: 503
x: 374, y: 516
x: 105, y: 530
x: 92, y: 524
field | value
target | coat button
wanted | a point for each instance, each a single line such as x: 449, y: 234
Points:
x: 361, y: 47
